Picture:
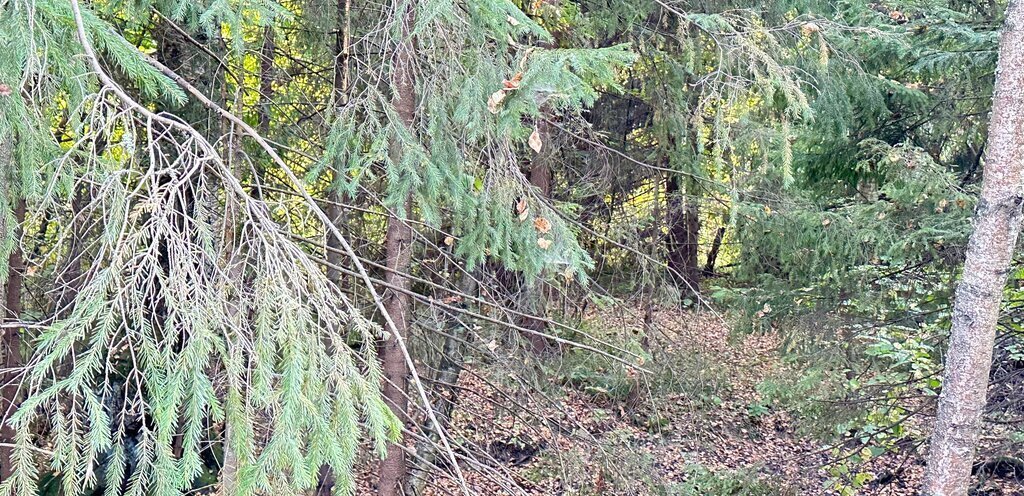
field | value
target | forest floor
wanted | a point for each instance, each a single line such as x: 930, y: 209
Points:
x: 710, y: 433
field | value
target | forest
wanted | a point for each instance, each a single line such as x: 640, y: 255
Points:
x: 511, y: 247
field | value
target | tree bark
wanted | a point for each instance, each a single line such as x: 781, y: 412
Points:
x: 716, y: 245
x: 335, y: 212
x: 11, y: 345
x: 266, y: 81
x: 446, y: 391
x: 997, y: 223
x: 533, y: 297
x: 398, y: 246
x: 682, y: 241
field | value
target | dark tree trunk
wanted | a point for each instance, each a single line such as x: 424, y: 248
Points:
x: 533, y: 298
x: 683, y: 222
x: 336, y: 259
x: 11, y: 343
x: 266, y: 81
x: 997, y: 224
x: 398, y: 246
x: 716, y: 245
x: 334, y: 209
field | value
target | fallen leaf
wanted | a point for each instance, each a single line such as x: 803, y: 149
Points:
x: 534, y: 141
x: 513, y: 21
x: 544, y: 243
x: 5, y: 90
x: 542, y: 225
x: 448, y: 240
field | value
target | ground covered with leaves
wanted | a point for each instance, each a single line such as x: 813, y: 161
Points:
x: 705, y: 418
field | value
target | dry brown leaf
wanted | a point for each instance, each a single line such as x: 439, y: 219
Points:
x: 448, y: 240
x: 569, y: 274
x: 544, y: 243
x: 522, y: 209
x: 542, y: 225
x: 495, y: 100
x: 512, y: 84
x: 534, y: 141
x: 5, y: 90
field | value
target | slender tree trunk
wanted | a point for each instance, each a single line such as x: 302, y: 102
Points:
x: 335, y: 212
x: 266, y: 81
x: 533, y: 297
x: 997, y: 223
x: 683, y: 219
x: 649, y: 289
x: 446, y: 392
x: 235, y: 261
x: 398, y: 246
x: 11, y: 343
x: 716, y: 245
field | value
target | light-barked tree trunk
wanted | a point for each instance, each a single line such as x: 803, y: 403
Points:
x: 997, y: 223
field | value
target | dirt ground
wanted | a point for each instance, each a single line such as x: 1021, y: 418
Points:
x: 575, y: 443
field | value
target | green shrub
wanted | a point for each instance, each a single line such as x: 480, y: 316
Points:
x: 701, y: 481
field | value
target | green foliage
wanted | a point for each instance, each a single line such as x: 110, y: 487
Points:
x: 200, y: 321
x: 459, y: 161
x: 800, y: 253
x: 704, y: 481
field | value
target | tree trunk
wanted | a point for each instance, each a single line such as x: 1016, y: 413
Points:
x: 997, y: 223
x: 446, y: 391
x: 533, y: 296
x: 266, y: 81
x: 716, y: 245
x: 683, y: 221
x: 335, y: 212
x: 11, y: 343
x: 398, y: 246
x: 69, y: 279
